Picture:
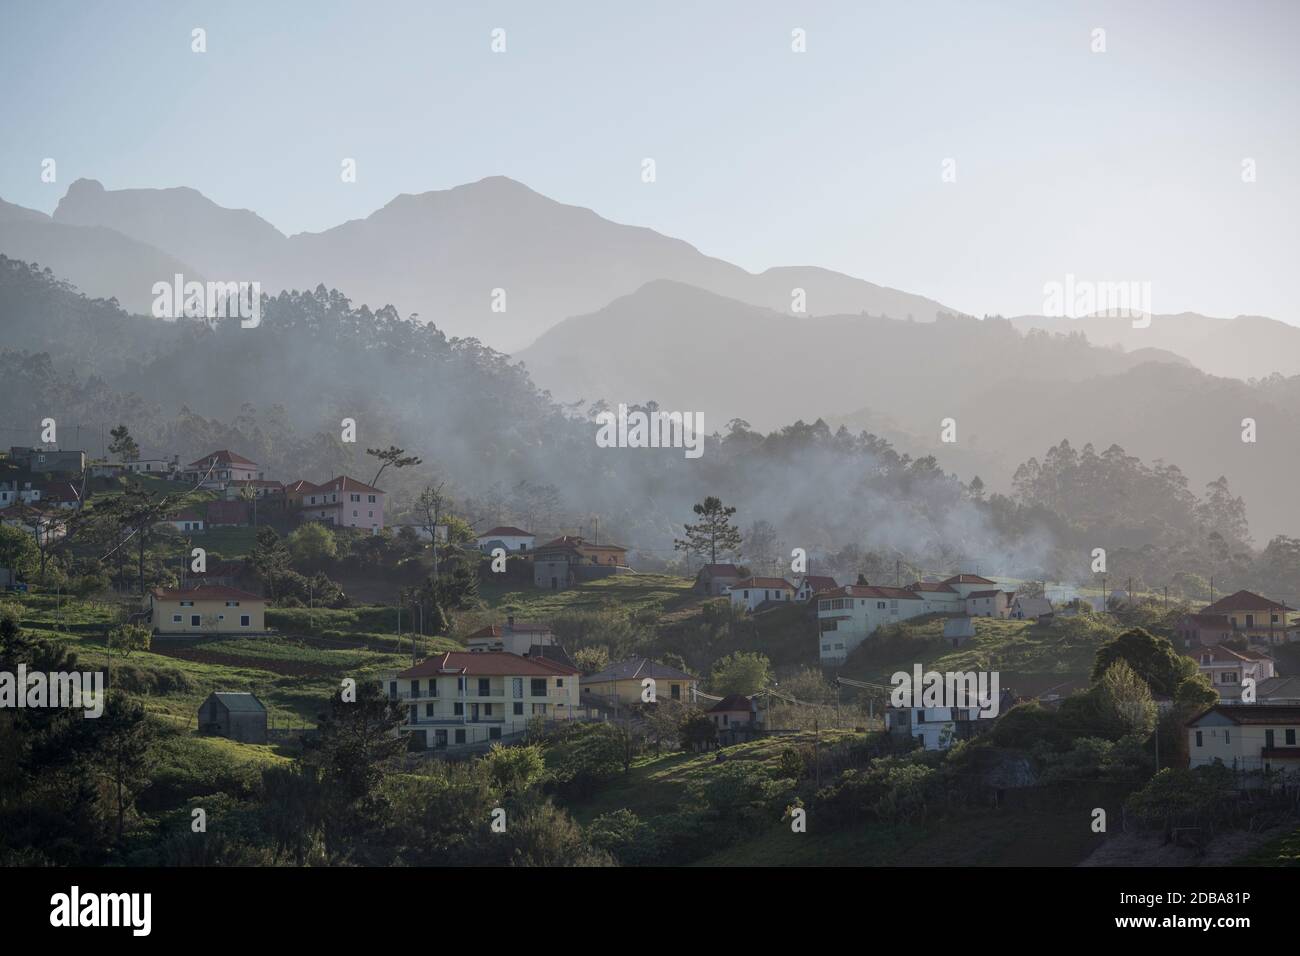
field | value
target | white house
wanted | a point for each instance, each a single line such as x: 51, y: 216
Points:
x: 848, y: 615
x: 813, y: 584
x: 1031, y: 608
x: 966, y: 584
x: 749, y: 593
x: 513, y: 637
x: 1248, y: 737
x: 939, y: 597
x: 163, y: 467
x: 990, y: 603
x: 513, y: 540
x: 1226, y: 669
x: 185, y: 521
x: 14, y: 492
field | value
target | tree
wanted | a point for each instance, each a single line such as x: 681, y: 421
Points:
x: 18, y: 552
x: 311, y: 543
x: 713, y: 534
x: 1153, y: 658
x: 126, y: 638
x: 270, y: 560
x: 697, y: 732
x: 742, y: 672
x: 761, y: 544
x: 1124, y: 701
x: 123, y: 445
x: 394, y: 456
x: 124, y: 740
x: 430, y: 506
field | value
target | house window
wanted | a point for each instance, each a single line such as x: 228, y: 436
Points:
x: 428, y: 710
x: 538, y: 687
x: 559, y: 682
x: 187, y: 603
x: 1290, y: 736
x: 356, y: 498
x: 1199, y: 740
x: 458, y: 709
x: 484, y: 686
x: 487, y: 710
x: 519, y: 709
x: 176, y: 618
x: 232, y: 604
x: 372, y: 499
x: 460, y: 736
x: 460, y: 683
x: 415, y: 688
x: 245, y: 621
x: 392, y: 689
x: 194, y: 620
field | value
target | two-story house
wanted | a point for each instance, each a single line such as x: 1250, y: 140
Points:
x: 715, y: 579
x: 461, y: 697
x: 204, y: 610
x: 216, y: 469
x: 990, y: 603
x: 625, y: 682
x: 846, y: 616
x: 813, y: 584
x: 570, y: 559
x: 1226, y: 669
x: 1258, y: 619
x: 514, y: 637
x: 1247, y: 737
x: 343, y: 502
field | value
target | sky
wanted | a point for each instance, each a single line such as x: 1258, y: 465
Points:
x: 1122, y: 165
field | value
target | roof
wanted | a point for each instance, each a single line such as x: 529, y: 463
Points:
x: 968, y: 579
x: 984, y: 594
x: 1220, y: 653
x: 554, y: 654
x: 1035, y: 606
x: 635, y: 668
x: 1288, y: 687
x: 206, y: 592
x: 343, y: 483
x: 223, y: 457
x: 255, y: 483
x: 495, y: 664
x: 734, y: 702
x: 577, y: 543
x: 928, y: 586
x: 238, y: 703
x: 1252, y: 713
x: 1244, y: 601
x: 762, y: 583
x: 301, y: 485
x: 59, y: 491
x: 871, y: 591
x: 719, y: 571
x: 818, y: 582
x: 517, y: 627
x: 506, y: 531
x: 189, y: 514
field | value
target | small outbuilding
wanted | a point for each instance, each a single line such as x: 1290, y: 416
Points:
x: 240, y: 717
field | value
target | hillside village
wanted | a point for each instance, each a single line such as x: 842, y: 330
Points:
x: 219, y: 598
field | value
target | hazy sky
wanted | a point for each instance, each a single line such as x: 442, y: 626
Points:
x: 1122, y: 165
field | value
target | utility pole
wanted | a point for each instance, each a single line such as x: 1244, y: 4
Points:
x: 817, y: 750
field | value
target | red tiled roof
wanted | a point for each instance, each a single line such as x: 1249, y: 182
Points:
x: 343, y: 483
x: 983, y: 594
x: 496, y: 664
x: 301, y: 485
x: 720, y: 571
x: 1220, y: 653
x: 819, y: 583
x: 968, y: 579
x: 223, y: 457
x: 1252, y: 714
x: 519, y: 627
x: 928, y: 586
x: 206, y: 592
x: 506, y: 531
x: 755, y: 583
x: 1244, y: 601
x: 733, y: 703
x: 870, y: 591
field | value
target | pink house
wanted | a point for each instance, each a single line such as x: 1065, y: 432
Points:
x: 343, y: 502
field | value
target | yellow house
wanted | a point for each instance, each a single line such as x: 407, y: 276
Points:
x: 1247, y: 737
x: 205, y: 610
x: 626, y: 682
x: 1256, y: 618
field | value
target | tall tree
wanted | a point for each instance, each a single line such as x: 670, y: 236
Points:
x: 713, y: 533
x: 394, y: 456
x: 123, y: 445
